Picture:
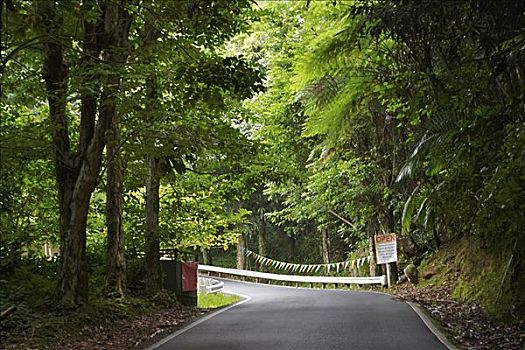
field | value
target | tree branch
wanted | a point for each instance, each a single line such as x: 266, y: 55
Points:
x: 17, y: 49
x: 346, y: 221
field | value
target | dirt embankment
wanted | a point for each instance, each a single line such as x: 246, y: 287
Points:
x: 465, y: 290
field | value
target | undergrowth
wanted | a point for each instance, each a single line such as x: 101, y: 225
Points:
x: 38, y: 320
x: 477, y: 276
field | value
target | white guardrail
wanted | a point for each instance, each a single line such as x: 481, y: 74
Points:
x: 210, y: 285
x: 293, y: 278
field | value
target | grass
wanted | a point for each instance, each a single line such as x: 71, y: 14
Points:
x: 215, y: 300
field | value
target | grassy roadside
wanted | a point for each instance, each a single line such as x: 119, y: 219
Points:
x: 215, y: 300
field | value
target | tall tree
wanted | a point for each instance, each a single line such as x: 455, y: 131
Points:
x: 119, y: 26
x: 151, y: 236
x: 77, y: 170
x: 186, y: 90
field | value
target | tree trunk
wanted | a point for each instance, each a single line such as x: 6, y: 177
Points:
x: 77, y: 173
x: 325, y: 246
x: 74, y: 279
x: 241, y: 246
x: 292, y: 246
x: 73, y: 203
x: 206, y: 256
x: 116, y: 263
x: 435, y: 236
x: 261, y: 242
x: 371, y: 228
x: 118, y: 24
x: 390, y: 222
x: 152, y: 269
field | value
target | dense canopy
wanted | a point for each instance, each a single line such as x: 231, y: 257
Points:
x: 296, y: 129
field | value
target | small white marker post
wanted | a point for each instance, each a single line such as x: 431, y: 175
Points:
x: 386, y: 251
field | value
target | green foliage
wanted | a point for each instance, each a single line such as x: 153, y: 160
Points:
x: 466, y: 100
x: 27, y: 195
x: 398, y: 116
x: 354, y: 119
x: 29, y: 286
x: 194, y: 127
x: 330, y: 147
x: 197, y: 206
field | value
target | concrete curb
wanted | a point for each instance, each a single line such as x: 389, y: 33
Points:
x: 418, y: 310
x: 200, y: 320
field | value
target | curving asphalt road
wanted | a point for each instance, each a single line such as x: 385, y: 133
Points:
x: 290, y: 318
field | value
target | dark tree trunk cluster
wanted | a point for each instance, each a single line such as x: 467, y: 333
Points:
x: 153, y: 276
x: 77, y: 172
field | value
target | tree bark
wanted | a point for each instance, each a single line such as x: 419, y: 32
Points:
x: 152, y: 269
x: 118, y: 26
x: 261, y: 242
x: 76, y: 174
x: 206, y: 256
x: 325, y: 246
x: 73, y: 273
x: 371, y: 228
x: 390, y: 222
x: 116, y: 263
x: 292, y: 247
x: 241, y: 257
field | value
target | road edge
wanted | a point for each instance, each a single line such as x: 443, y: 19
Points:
x: 426, y: 320
x: 170, y: 337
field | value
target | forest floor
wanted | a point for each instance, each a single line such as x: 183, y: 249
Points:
x: 466, y: 325
x: 135, y: 332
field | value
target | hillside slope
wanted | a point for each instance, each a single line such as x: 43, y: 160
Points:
x: 476, y: 296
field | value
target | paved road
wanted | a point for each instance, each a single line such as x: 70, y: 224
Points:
x: 288, y: 318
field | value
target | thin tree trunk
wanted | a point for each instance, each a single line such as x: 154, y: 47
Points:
x: 119, y: 24
x: 389, y: 216
x: 116, y: 263
x: 206, y: 256
x: 325, y: 246
x: 373, y: 259
x: 435, y: 236
x: 241, y: 257
x: 292, y: 240
x: 261, y: 242
x: 56, y: 77
x: 152, y: 269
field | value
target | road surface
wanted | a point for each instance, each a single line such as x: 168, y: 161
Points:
x: 290, y: 318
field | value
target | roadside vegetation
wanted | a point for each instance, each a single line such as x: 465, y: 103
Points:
x: 297, y: 130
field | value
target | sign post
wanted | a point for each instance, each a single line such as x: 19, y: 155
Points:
x: 386, y: 251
